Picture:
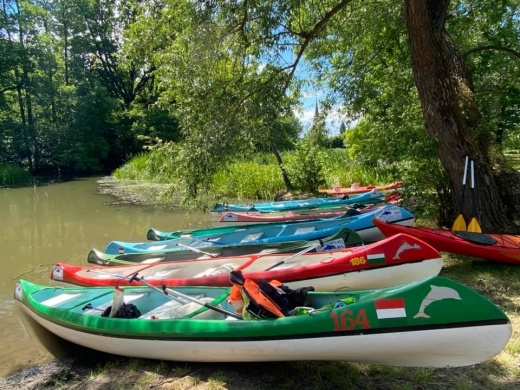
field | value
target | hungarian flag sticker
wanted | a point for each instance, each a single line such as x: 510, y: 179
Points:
x: 390, y: 308
x: 377, y: 258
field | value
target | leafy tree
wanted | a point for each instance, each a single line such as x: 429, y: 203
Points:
x: 227, y: 101
x: 453, y: 118
x: 443, y: 84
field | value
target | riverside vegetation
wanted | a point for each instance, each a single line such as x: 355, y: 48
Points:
x: 261, y: 179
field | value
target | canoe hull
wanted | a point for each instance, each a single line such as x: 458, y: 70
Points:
x: 433, y: 348
x: 354, y: 280
x: 362, y: 224
x: 233, y: 217
x: 396, y: 260
x: 370, y: 197
x: 374, y: 278
x: 433, y: 322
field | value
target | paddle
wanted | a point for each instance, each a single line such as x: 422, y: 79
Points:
x: 460, y: 222
x: 197, y: 250
x: 473, y: 225
x: 172, y: 294
x: 120, y: 276
x: 175, y: 295
x: 291, y: 257
x: 255, y: 257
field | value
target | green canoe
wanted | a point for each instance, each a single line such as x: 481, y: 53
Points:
x: 435, y: 322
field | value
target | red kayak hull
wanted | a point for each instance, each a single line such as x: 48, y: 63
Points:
x: 497, y: 247
x: 337, y: 265
x: 256, y: 217
x: 359, y: 190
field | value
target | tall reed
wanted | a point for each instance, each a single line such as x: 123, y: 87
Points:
x: 13, y: 176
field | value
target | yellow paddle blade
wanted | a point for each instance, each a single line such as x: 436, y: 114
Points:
x: 474, y: 226
x: 459, y: 224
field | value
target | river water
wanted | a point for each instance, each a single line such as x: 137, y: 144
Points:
x: 40, y: 226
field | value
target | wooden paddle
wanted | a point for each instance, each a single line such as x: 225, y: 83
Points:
x: 473, y: 225
x: 460, y: 222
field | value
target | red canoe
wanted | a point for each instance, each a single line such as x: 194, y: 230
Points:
x: 258, y: 217
x: 396, y: 260
x: 356, y: 189
x: 497, y: 247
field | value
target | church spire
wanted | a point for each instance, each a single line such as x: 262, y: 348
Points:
x: 316, y: 111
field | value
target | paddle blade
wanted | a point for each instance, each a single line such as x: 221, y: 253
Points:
x: 459, y: 224
x: 474, y: 226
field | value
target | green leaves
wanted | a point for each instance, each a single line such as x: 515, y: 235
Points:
x: 305, y: 165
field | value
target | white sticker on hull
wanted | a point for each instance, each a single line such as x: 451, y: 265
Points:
x: 389, y: 214
x: 404, y: 247
x: 437, y: 293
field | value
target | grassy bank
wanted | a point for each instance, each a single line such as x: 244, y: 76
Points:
x: 259, y: 176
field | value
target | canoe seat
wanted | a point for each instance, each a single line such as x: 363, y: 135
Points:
x: 305, y: 229
x: 174, y: 309
x: 58, y: 299
x: 224, y: 269
x: 252, y: 237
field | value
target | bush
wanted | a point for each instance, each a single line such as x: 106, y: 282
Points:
x: 13, y: 175
x: 305, y: 166
x: 248, y: 180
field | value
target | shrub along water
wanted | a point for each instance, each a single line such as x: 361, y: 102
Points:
x: 259, y: 176
x: 13, y: 176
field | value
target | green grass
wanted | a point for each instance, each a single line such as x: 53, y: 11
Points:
x: 248, y: 180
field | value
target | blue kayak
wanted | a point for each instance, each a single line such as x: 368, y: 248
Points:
x: 309, y: 230
x: 374, y: 196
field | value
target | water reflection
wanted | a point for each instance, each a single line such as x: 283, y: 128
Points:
x: 40, y: 226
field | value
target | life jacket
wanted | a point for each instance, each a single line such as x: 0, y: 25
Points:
x: 264, y: 299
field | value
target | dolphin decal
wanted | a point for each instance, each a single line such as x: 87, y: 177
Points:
x: 404, y: 247
x: 389, y: 214
x: 436, y: 293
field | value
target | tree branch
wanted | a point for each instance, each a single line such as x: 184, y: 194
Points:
x: 318, y: 27
x: 492, y: 47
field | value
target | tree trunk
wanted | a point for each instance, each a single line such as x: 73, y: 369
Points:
x: 452, y: 119
x: 287, y: 182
